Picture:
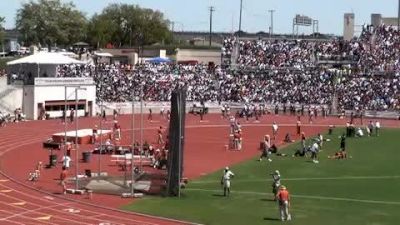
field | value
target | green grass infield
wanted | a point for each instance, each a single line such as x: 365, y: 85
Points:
x: 361, y: 190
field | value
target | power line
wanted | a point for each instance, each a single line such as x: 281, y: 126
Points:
x: 212, y: 9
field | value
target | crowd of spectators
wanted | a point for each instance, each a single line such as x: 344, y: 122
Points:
x: 376, y: 49
x: 270, y: 71
x: 369, y: 92
x: 380, y: 50
x: 267, y: 54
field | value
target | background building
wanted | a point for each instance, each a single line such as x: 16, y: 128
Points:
x: 349, y: 26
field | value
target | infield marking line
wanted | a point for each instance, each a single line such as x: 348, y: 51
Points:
x: 310, y: 179
x: 304, y: 196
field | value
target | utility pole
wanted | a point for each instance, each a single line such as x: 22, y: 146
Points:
x: 398, y: 17
x: 271, y: 31
x: 173, y: 27
x: 211, y: 18
x: 240, y: 16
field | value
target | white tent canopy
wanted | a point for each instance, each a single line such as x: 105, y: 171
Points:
x: 47, y: 58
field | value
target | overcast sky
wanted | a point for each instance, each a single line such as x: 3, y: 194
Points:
x: 193, y: 15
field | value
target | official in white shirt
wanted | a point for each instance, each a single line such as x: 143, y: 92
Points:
x: 226, y: 181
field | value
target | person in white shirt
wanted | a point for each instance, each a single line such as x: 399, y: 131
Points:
x: 266, y: 151
x: 276, y: 182
x: 66, y: 162
x: 314, y: 152
x: 377, y: 127
x: 274, y: 130
x: 162, y: 110
x: 360, y: 132
x: 321, y: 140
x: 226, y: 181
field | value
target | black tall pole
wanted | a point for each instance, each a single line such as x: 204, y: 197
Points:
x: 240, y: 16
x: 211, y: 17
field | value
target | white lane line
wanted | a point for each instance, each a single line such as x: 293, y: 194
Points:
x: 26, y: 218
x: 81, y: 208
x: 309, y: 179
x: 305, y: 197
x: 36, y: 210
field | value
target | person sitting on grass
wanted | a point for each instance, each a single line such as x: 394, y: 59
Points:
x: 302, y: 151
x: 359, y: 132
x: 339, y: 155
x: 288, y: 139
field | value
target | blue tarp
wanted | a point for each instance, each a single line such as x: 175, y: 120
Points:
x: 159, y: 60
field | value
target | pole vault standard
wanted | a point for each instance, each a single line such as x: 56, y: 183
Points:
x: 133, y: 144
x: 77, y: 88
x: 141, y: 128
x: 76, y: 138
x: 101, y: 138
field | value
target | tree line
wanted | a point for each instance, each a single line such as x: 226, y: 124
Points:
x: 52, y: 22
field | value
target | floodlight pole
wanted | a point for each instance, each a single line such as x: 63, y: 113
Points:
x: 211, y: 21
x: 240, y: 17
x: 398, y: 16
x: 271, y: 11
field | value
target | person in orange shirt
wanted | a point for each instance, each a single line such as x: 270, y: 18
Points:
x: 283, y: 198
x: 238, y: 140
x: 117, y: 130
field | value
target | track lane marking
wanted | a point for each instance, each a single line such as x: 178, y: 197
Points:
x: 61, y: 213
x: 23, y: 217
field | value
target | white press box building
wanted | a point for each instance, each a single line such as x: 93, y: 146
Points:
x: 32, y: 85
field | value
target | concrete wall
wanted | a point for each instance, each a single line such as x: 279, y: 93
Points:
x: 377, y: 19
x: 132, y: 56
x: 202, y: 56
x: 10, y: 96
x: 348, y: 24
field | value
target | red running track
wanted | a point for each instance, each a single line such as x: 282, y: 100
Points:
x: 22, y: 202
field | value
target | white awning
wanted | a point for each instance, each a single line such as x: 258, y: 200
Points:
x: 47, y: 58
